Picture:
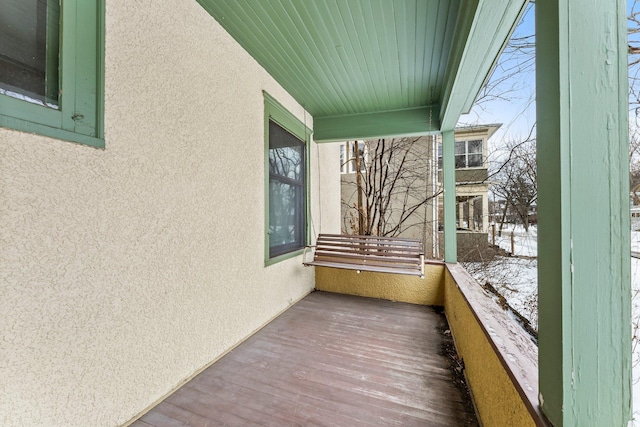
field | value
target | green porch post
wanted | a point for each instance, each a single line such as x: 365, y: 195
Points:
x: 449, y: 183
x: 583, y: 213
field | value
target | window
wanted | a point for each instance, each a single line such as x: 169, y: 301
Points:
x: 51, y: 68
x: 468, y: 154
x: 29, y: 56
x: 286, y: 191
x: 286, y: 165
x: 348, y: 157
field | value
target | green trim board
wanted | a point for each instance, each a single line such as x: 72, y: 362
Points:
x: 584, y: 286
x: 80, y: 114
x: 408, y: 122
x: 449, y: 196
x: 275, y: 112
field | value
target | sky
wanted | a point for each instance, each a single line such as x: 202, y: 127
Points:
x: 514, y: 105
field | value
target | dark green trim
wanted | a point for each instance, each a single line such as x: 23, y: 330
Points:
x: 80, y: 117
x: 397, y: 123
x: 284, y: 118
x: 52, y: 78
x: 39, y: 129
x: 273, y: 110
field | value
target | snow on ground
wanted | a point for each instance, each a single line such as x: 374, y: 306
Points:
x: 635, y: 241
x: 516, y: 279
x: 525, y: 242
x: 635, y: 327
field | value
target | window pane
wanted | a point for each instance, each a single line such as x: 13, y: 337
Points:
x: 475, y: 160
x: 287, y: 183
x: 361, y: 154
x: 286, y: 162
x: 475, y: 147
x: 460, y: 147
x: 29, y: 52
x: 461, y: 161
x: 343, y: 158
x: 286, y: 153
x: 286, y: 207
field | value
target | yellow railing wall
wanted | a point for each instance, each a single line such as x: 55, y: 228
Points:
x: 497, y: 401
x: 394, y: 287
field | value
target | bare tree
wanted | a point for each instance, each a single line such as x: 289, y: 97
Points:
x: 634, y: 164
x: 392, y: 186
x: 633, y: 34
x: 514, y: 178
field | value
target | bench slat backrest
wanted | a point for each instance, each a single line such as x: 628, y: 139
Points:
x: 369, y: 253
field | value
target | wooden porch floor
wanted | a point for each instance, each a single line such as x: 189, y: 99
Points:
x: 332, y: 360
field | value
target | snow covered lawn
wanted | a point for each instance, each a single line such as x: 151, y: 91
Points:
x: 516, y: 279
x: 525, y: 242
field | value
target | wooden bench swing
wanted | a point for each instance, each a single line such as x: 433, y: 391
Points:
x: 368, y: 253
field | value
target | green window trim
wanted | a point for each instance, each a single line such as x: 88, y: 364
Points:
x: 274, y: 111
x: 80, y: 114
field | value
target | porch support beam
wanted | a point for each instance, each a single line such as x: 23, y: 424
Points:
x: 397, y: 123
x: 449, y: 184
x: 583, y: 212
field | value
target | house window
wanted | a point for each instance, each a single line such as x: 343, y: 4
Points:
x: 287, y: 184
x: 29, y: 54
x: 51, y: 68
x: 468, y: 154
x: 286, y: 161
x: 348, y: 157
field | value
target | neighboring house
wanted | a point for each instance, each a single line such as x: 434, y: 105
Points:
x: 472, y: 184
x: 472, y: 180
x: 163, y: 163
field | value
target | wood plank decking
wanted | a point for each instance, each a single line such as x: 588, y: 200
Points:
x: 331, y: 360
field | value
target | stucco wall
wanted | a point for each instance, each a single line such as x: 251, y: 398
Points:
x: 123, y: 271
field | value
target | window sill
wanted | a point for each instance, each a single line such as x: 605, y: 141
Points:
x: 283, y: 257
x: 39, y: 129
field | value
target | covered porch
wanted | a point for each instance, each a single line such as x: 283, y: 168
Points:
x: 373, y: 70
x: 128, y: 269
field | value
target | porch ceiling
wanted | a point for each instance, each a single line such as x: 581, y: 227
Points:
x: 368, y: 68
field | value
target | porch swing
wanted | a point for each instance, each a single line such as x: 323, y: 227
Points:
x: 378, y: 254
x: 368, y: 253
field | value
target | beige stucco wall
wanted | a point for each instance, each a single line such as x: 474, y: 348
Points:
x: 123, y: 271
